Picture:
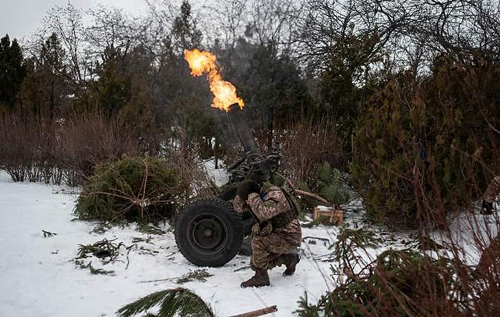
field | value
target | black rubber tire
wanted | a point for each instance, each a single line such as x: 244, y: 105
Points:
x: 224, y: 227
x: 228, y: 194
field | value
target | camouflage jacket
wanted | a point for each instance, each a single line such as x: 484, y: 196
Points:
x: 271, y: 205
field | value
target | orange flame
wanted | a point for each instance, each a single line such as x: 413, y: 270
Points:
x: 224, y: 92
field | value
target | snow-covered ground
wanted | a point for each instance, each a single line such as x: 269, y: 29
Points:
x: 39, y: 277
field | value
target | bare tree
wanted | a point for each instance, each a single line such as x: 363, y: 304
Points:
x: 111, y: 30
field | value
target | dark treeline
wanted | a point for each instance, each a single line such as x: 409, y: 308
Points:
x: 335, y: 66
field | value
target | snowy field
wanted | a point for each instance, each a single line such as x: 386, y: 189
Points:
x: 39, y: 276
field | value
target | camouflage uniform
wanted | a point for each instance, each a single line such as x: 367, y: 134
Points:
x: 277, y: 230
x: 493, y: 190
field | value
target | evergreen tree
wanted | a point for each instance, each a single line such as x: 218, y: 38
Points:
x: 421, y: 147
x: 184, y: 99
x: 12, y: 71
x: 347, y: 80
x: 111, y: 91
x: 184, y: 29
x: 45, y: 90
x: 273, y: 89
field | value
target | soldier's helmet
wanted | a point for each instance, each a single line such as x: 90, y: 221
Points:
x: 260, y: 172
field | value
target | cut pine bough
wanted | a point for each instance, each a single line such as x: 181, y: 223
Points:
x: 179, y: 302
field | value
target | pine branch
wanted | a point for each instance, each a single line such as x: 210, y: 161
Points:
x: 173, y: 302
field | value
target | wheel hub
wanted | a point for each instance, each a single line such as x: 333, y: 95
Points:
x: 208, y: 234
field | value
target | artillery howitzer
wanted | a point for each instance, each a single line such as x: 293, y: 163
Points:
x: 209, y: 232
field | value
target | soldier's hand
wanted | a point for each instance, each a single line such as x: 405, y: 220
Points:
x: 253, y: 187
x: 246, y: 187
x: 486, y: 208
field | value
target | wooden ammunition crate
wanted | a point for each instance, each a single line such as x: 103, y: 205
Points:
x: 328, y: 215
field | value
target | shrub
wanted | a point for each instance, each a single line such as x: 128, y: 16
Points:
x: 306, y: 147
x: 90, y: 139
x: 133, y: 189
x: 57, y: 150
x: 27, y: 150
x: 413, y: 282
x: 332, y: 185
x: 425, y: 146
x: 399, y: 283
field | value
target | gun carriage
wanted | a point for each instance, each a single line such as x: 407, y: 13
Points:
x: 209, y: 232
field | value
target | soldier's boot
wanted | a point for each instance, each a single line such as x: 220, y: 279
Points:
x: 290, y: 260
x: 259, y: 279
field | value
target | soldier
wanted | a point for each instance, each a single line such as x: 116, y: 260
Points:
x: 277, y: 232
x: 490, y: 195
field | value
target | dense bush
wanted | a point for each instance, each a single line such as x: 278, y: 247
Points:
x: 64, y: 150
x: 90, y: 139
x: 399, y: 283
x: 331, y: 185
x: 27, y: 149
x: 133, y: 189
x: 424, y: 146
x: 305, y: 147
x: 410, y: 282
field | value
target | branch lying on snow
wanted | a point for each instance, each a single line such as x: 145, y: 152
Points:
x: 48, y: 234
x: 172, y: 302
x: 199, y: 275
x: 242, y: 268
x: 325, y: 240
x: 179, y: 302
x: 259, y: 312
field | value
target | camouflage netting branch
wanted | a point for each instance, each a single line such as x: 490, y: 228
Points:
x: 101, y: 249
x: 171, y: 302
x: 133, y: 189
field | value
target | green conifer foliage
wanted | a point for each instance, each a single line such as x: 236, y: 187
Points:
x: 45, y: 89
x: 419, y: 149
x: 398, y: 283
x: 133, y: 189
x: 184, y: 29
x: 348, y: 79
x: 171, y: 302
x: 273, y: 89
x: 111, y: 92
x: 12, y: 71
x: 331, y: 185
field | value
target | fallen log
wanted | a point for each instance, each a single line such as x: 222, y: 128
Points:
x: 304, y: 193
x: 259, y: 312
x: 314, y: 196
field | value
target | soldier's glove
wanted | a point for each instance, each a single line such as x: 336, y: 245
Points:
x: 266, y: 228
x: 246, y: 187
x: 486, y: 208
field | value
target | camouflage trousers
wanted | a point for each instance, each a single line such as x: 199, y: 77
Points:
x: 493, y: 190
x: 267, y: 250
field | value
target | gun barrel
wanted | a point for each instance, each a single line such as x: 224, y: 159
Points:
x: 244, y: 133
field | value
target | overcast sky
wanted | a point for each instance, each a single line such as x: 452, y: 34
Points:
x: 21, y: 18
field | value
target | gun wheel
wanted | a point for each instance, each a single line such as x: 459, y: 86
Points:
x: 209, y: 232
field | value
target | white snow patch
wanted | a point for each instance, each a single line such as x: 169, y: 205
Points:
x: 218, y: 175
x: 471, y: 231
x: 320, y: 207
x: 39, y: 277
